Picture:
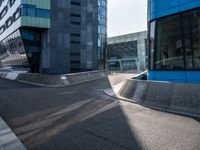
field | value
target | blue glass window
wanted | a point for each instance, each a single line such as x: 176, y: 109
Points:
x: 31, y: 10
x: 43, y: 13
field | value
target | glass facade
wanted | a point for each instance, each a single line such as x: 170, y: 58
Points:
x: 31, y: 41
x: 20, y: 51
x: 32, y: 11
x: 102, y: 33
x: 123, y: 50
x: 12, y: 53
x: 177, y: 42
x: 50, y: 35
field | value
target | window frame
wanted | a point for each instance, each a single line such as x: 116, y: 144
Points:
x: 182, y: 39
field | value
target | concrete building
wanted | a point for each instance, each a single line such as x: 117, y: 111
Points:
x: 127, y: 52
x: 52, y: 36
x: 174, y: 40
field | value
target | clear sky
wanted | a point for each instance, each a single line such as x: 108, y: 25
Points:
x: 126, y: 16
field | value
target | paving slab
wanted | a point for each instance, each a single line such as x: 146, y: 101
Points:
x: 8, y: 140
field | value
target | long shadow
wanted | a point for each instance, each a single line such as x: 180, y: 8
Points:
x: 72, y: 118
x: 6, y: 84
x: 197, y: 119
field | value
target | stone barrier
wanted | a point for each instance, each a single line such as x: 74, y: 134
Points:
x: 158, y: 95
x: 41, y: 79
x: 61, y: 80
x: 185, y: 99
x: 172, y: 97
x: 134, y: 90
x: 85, y: 76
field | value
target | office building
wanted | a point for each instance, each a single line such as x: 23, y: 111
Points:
x: 127, y: 52
x: 52, y: 36
x: 174, y: 40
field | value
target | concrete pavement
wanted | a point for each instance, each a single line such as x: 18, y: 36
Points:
x: 82, y: 117
x: 8, y: 140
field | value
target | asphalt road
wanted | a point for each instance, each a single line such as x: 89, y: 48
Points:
x: 82, y: 117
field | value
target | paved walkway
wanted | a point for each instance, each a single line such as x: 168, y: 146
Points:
x: 8, y: 140
x: 82, y: 117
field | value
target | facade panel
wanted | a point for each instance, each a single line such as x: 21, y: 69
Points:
x: 71, y: 33
x: 161, y: 8
x: 174, y: 42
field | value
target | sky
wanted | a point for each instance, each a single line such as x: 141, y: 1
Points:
x: 126, y: 16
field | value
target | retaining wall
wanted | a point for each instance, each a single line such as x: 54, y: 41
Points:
x: 173, y: 97
x: 61, y: 80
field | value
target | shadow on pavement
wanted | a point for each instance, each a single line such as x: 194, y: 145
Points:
x: 6, y: 84
x: 197, y: 119
x: 79, y: 117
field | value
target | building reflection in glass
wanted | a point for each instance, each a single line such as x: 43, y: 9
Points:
x: 12, y: 53
x: 102, y: 33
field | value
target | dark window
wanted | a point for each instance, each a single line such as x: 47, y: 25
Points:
x: 3, y: 12
x: 12, y: 2
x: 75, y: 42
x: 31, y: 38
x: 76, y: 3
x: 9, y: 22
x: 75, y: 22
x: 2, y: 29
x: 75, y: 61
x: 75, y: 54
x: 73, y: 70
x: 75, y: 34
x: 76, y: 15
x: 16, y: 14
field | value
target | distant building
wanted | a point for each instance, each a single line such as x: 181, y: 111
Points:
x: 53, y: 36
x: 127, y: 52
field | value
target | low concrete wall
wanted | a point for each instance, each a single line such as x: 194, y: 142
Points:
x: 85, y: 76
x: 42, y: 80
x: 173, y: 97
x: 158, y: 95
x: 61, y: 80
x: 186, y: 99
x: 134, y: 90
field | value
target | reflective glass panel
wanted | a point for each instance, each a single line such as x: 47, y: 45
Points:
x: 169, y: 47
x: 195, y: 36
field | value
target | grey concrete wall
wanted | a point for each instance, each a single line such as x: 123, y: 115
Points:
x: 59, y: 80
